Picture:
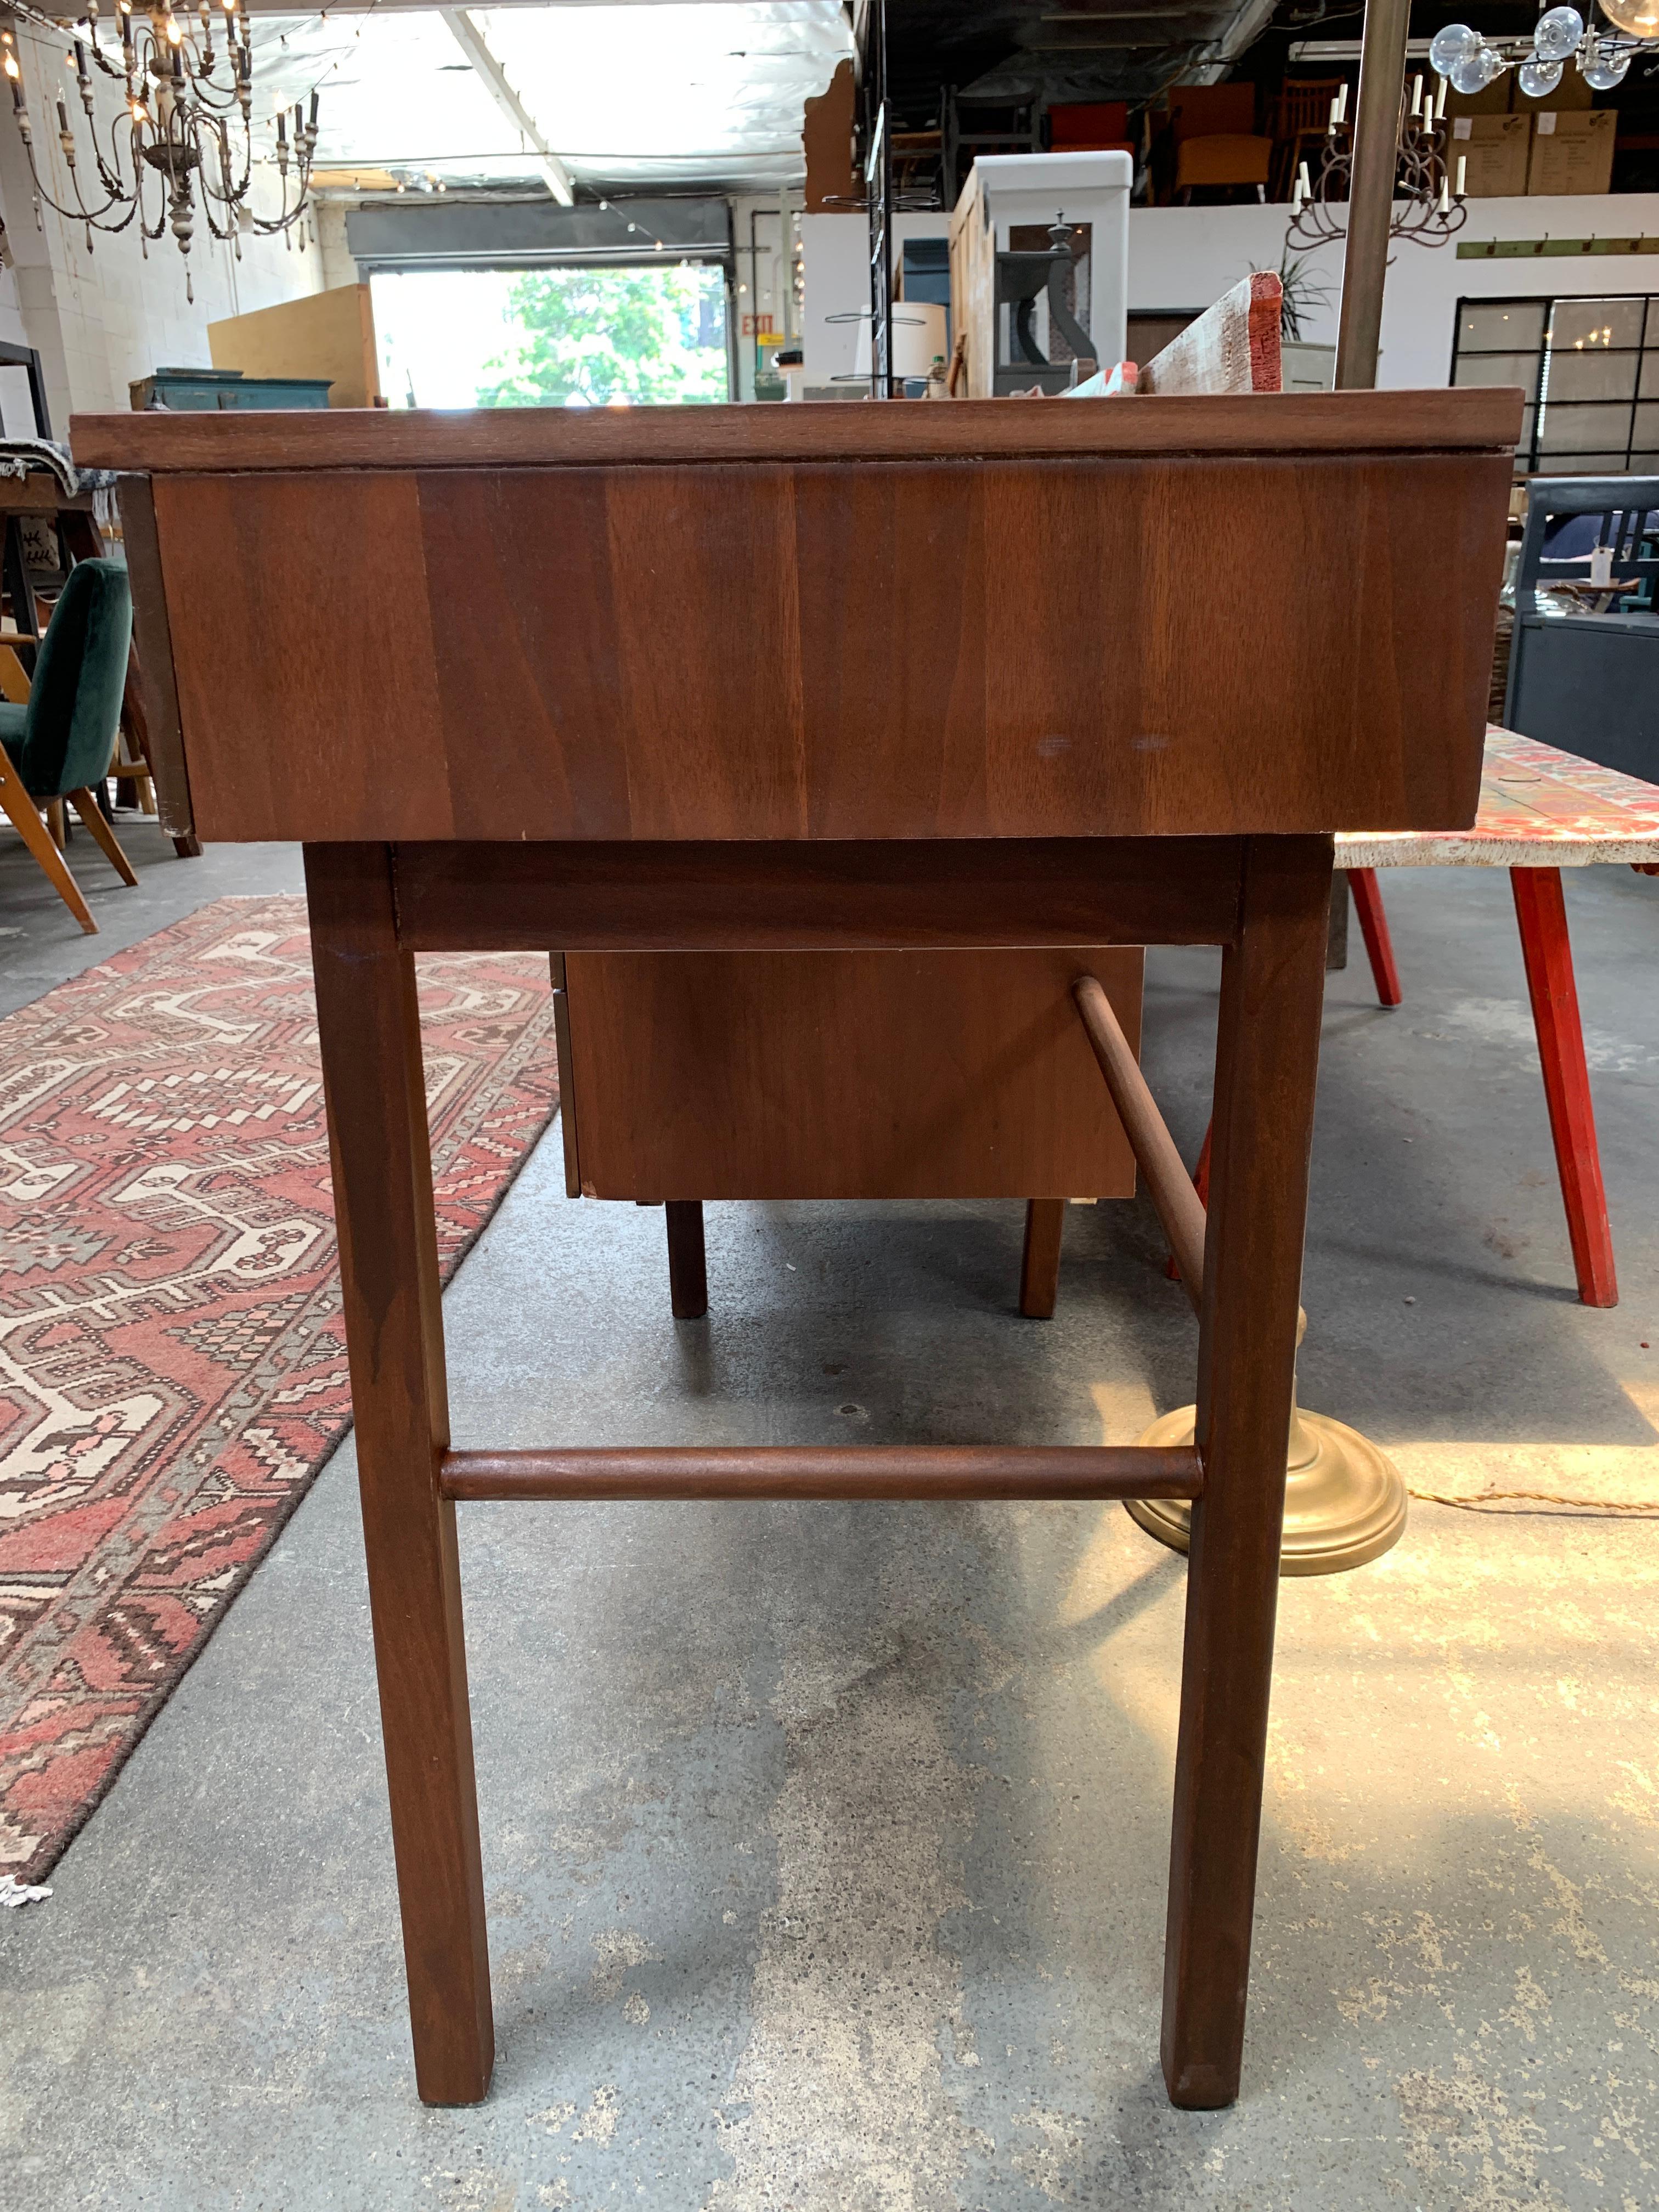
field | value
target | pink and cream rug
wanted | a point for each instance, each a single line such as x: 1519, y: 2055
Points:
x: 173, y: 1370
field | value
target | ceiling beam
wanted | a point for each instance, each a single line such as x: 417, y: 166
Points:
x: 472, y: 41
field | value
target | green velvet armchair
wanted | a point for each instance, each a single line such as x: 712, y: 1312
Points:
x: 60, y: 744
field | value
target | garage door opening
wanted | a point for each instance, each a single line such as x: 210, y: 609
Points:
x: 552, y: 338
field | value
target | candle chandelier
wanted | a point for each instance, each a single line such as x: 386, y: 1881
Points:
x: 1601, y: 53
x: 1428, y: 196
x: 184, y: 135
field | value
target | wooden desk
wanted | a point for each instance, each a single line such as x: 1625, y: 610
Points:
x: 855, y: 678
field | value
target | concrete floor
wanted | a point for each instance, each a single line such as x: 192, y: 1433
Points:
x: 825, y: 1845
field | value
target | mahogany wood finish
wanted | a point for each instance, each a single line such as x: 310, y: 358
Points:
x: 1039, y: 1263
x: 688, y: 1271
x: 1273, y: 984
x: 1179, y: 1207
x: 152, y: 637
x: 505, y: 438
x: 649, y: 896
x: 369, y: 1031
x: 733, y: 1075
x: 846, y: 1471
x: 734, y: 681
x: 594, y: 692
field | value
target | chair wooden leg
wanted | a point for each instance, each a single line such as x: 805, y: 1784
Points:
x: 25, y: 818
x: 86, y: 806
x: 1547, y: 950
x: 369, y: 1025
x: 1039, y: 1265
x: 688, y: 1273
x: 1266, y: 1060
x: 56, y: 825
x: 1374, y: 928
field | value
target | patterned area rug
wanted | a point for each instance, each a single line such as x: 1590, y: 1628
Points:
x: 173, y: 1369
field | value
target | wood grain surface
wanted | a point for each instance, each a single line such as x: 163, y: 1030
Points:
x: 758, y: 1075
x: 1273, y: 983
x: 1002, y: 891
x: 368, y: 1025
x: 1034, y: 648
x: 512, y: 437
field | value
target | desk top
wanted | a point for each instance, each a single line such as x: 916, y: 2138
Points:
x: 1337, y: 423
x: 1539, y: 809
x: 1186, y: 617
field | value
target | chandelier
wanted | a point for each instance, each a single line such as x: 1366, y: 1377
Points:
x: 1601, y: 53
x: 1428, y: 206
x: 183, y: 136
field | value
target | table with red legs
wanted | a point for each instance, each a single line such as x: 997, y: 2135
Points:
x: 1540, y: 811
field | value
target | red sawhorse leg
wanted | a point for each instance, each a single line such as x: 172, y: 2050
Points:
x: 1374, y: 928
x: 1545, y: 946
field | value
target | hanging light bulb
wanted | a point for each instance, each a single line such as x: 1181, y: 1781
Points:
x: 1558, y: 34
x: 1456, y: 44
x: 1475, y: 72
x: 1636, y: 19
x: 1539, y: 79
x: 1610, y: 67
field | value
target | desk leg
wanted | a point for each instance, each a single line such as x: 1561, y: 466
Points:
x: 1039, y: 1264
x: 688, y: 1271
x: 1547, y: 949
x: 1266, y: 1060
x: 368, y: 1022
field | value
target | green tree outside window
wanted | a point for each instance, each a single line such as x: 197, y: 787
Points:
x: 588, y: 336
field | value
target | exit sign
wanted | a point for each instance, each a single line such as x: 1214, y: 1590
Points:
x: 757, y: 326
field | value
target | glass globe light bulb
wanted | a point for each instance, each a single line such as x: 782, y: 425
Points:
x: 1638, y: 19
x: 1539, y: 79
x: 1557, y: 34
x: 1456, y: 44
x: 1607, y: 70
x: 1475, y: 72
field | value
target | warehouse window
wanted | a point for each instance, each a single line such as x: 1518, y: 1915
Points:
x: 1590, y: 369
x: 571, y: 336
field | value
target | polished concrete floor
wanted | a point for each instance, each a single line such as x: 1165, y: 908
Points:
x: 825, y: 1845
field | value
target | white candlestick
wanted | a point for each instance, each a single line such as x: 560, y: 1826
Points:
x: 1462, y: 171
x: 1445, y: 196
x: 1440, y: 100
x: 1303, y: 184
x: 1417, y: 92
x: 1342, y: 102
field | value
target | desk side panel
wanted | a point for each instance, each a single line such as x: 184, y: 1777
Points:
x: 1146, y: 647
x: 305, y: 652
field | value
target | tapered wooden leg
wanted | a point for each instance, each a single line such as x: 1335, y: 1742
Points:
x: 368, y: 1021
x: 1547, y: 950
x: 1266, y: 1059
x: 1039, y: 1265
x: 25, y: 818
x: 1374, y: 928
x: 688, y: 1274
x: 86, y: 806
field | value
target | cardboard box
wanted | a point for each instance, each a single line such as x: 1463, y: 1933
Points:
x: 1494, y: 150
x: 1573, y: 93
x: 1572, y: 153
x: 1493, y: 99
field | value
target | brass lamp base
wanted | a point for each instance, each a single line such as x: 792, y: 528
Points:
x: 1343, y: 1500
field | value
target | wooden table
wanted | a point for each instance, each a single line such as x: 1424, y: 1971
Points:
x: 849, y: 680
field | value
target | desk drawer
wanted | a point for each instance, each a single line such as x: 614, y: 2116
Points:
x: 756, y: 1075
